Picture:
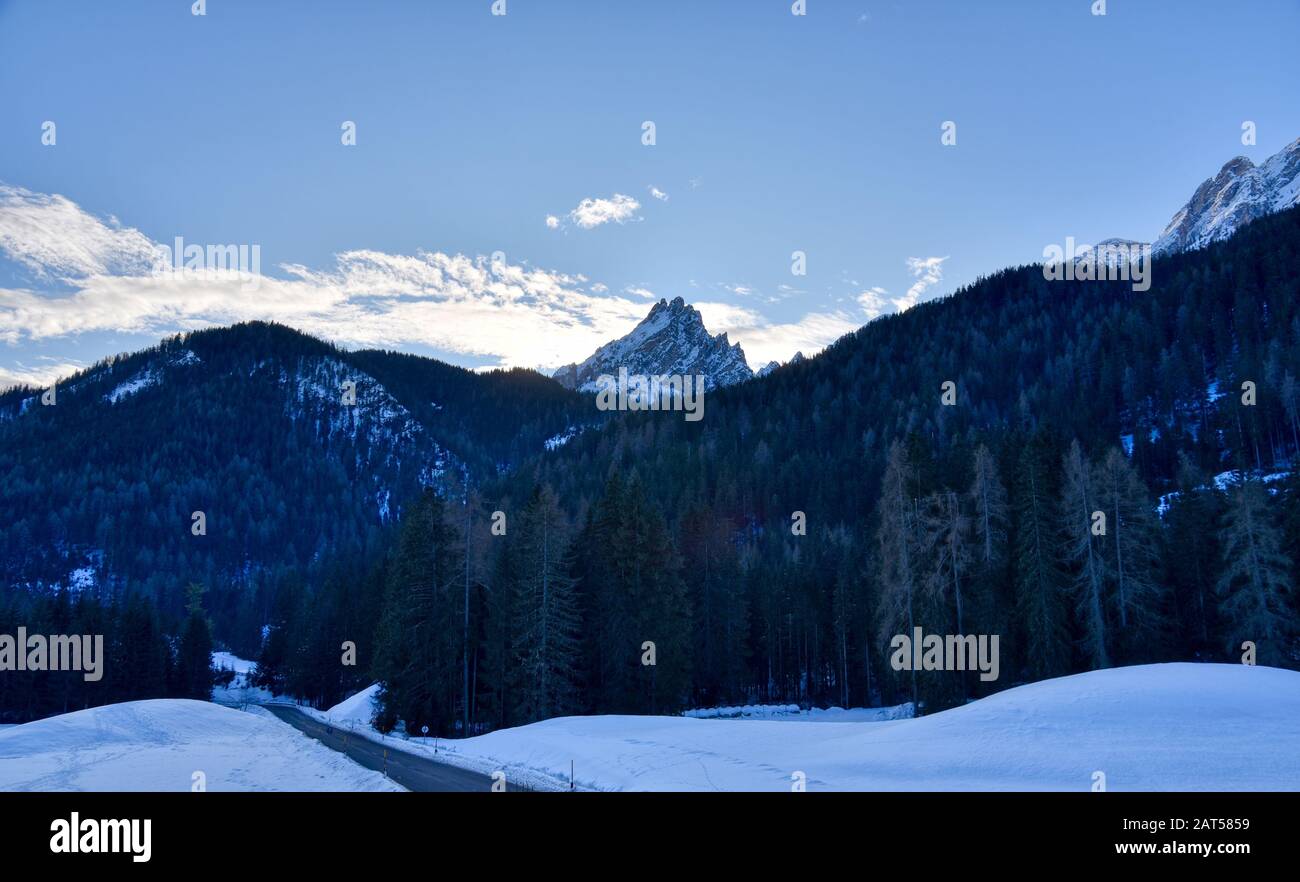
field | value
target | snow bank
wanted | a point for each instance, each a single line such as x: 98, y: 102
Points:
x: 1151, y: 727
x: 359, y: 708
x: 158, y: 745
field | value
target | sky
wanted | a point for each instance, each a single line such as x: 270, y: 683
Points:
x: 500, y: 205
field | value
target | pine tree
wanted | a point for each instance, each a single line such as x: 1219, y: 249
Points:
x: 1255, y: 585
x: 899, y: 541
x: 945, y: 531
x: 1192, y: 517
x: 417, y: 660
x: 194, y: 650
x: 989, y: 500
x: 634, y: 597
x: 545, y: 613
x: 1039, y: 577
x: 1132, y: 552
x: 1079, y: 502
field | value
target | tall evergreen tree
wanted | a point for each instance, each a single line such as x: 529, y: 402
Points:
x: 417, y: 660
x: 545, y: 613
x: 900, y: 550
x: 1132, y: 550
x: 988, y: 499
x: 1040, y: 579
x: 1078, y: 508
x: 194, y: 650
x: 1256, y: 583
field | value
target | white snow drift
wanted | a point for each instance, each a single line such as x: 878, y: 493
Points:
x: 159, y: 745
x: 1152, y: 727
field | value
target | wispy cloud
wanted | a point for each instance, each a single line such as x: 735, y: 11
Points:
x: 518, y: 315
x: 765, y: 341
x: 658, y: 194
x: 872, y: 302
x: 54, y: 238
x: 511, y: 314
x: 40, y: 376
x: 928, y: 272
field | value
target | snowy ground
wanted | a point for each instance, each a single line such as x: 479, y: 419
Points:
x: 1151, y: 727
x: 358, y: 709
x: 241, y: 692
x: 158, y: 745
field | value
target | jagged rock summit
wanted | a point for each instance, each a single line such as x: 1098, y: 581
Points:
x: 672, y: 339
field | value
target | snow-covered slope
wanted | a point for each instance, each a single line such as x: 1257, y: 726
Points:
x: 158, y: 745
x: 1114, y: 252
x: 672, y: 339
x: 1150, y: 727
x: 358, y: 708
x: 1240, y: 193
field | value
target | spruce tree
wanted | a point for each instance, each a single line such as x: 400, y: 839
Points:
x: 1040, y: 580
x: 545, y: 613
x: 1078, y: 505
x: 1132, y: 550
x: 1255, y: 586
x: 900, y: 548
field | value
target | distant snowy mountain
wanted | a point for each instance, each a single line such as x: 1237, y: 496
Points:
x: 672, y: 339
x: 1240, y: 193
x: 1113, y: 252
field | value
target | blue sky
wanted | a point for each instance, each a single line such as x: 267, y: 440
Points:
x: 774, y: 133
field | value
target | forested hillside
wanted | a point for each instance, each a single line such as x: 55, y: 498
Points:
x: 1173, y: 413
x: 250, y: 427
x: 766, y: 553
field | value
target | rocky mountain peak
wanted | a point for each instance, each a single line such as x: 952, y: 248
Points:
x: 671, y: 339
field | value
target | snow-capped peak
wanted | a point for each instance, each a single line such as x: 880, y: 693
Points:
x: 672, y: 339
x: 1240, y: 193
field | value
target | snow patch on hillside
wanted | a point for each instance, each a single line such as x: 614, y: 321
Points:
x: 143, y: 380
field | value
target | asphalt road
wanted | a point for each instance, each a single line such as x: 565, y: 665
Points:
x: 411, y: 771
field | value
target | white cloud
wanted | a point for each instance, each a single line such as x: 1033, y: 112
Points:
x: 520, y: 315
x: 928, y: 272
x: 38, y: 377
x: 658, y: 194
x: 53, y: 237
x: 514, y: 315
x: 552, y: 222
x: 872, y: 302
x: 594, y: 212
x: 764, y: 341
